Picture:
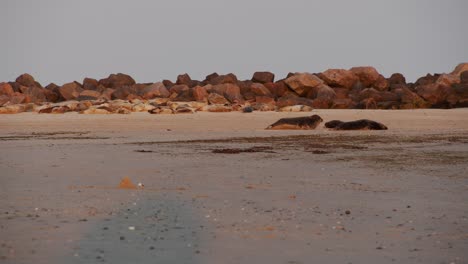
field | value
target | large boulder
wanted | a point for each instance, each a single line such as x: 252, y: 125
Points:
x: 302, y: 83
x: 185, y: 96
x: 117, y: 80
x: 19, y: 98
x: 459, y: 69
x: 459, y: 97
x: 367, y: 75
x: 263, y: 77
x: 199, y: 93
x: 435, y: 94
x: 215, y: 98
x: 107, y: 94
x: 184, y: 79
x: 223, y: 79
x: 155, y: 90
x: 265, y: 100
x: 6, y: 89
x: 178, y: 89
x: 168, y: 83
x: 34, y: 94
x: 397, y: 79
x: 4, y: 99
x: 278, y: 88
x: 210, y: 77
x: 88, y: 95
x: 260, y: 90
x: 52, y: 93
x: 409, y: 99
x: 90, y: 84
x: 464, y: 77
x: 290, y: 100
x: 26, y: 80
x: 230, y: 91
x: 370, y: 93
x: 339, y: 78
x: 341, y: 93
x: 70, y: 91
x: 428, y: 79
x: 325, y: 92
x: 447, y: 79
x: 125, y: 93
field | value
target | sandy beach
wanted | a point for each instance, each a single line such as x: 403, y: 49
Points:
x: 219, y: 188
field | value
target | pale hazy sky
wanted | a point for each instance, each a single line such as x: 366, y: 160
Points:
x: 65, y: 40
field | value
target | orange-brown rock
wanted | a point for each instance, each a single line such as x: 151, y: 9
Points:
x: 265, y: 100
x: 230, y: 91
x: 125, y: 93
x: 428, y: 79
x: 447, y: 79
x: 339, y: 78
x: 341, y: 93
x: 210, y: 77
x: 90, y: 84
x: 222, y: 79
x: 263, y: 77
x: 70, y: 91
x: 35, y: 94
x: 278, y: 88
x: 459, y: 69
x: 178, y: 88
x: 18, y: 98
x: 4, y: 99
x: 26, y: 80
x: 117, y: 80
x: 259, y: 89
x: 322, y: 92
x: 88, y: 95
x: 215, y: 98
x: 107, y: 94
x: 322, y: 103
x: 397, y: 79
x: 464, y: 77
x: 155, y: 90
x: 302, y: 83
x: 51, y: 96
x: 435, y: 94
x: 6, y: 89
x: 367, y: 75
x: 200, y: 94
x: 168, y: 84
x: 184, y: 79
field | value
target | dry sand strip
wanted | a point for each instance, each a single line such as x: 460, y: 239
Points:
x: 218, y: 188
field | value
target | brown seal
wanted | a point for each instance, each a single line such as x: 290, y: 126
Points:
x: 362, y: 124
x: 306, y: 122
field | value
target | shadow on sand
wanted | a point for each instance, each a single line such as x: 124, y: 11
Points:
x: 156, y: 227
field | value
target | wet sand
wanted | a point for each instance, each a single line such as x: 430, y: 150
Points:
x: 218, y: 188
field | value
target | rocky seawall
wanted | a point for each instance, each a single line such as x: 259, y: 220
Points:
x: 356, y: 88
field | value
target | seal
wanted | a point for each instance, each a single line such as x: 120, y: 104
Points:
x: 304, y: 123
x: 362, y: 124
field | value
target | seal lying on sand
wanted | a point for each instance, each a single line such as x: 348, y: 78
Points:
x: 306, y: 122
x: 362, y: 124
